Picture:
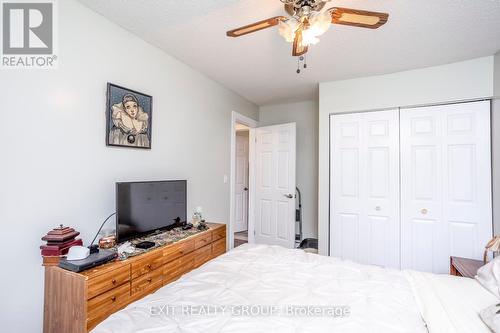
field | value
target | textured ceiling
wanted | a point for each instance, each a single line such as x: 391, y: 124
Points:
x: 420, y: 33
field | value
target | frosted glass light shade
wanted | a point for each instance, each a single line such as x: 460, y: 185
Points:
x: 318, y: 25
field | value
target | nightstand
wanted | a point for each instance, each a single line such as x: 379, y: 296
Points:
x: 464, y: 267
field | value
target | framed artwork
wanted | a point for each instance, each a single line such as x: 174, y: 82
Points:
x: 128, y: 118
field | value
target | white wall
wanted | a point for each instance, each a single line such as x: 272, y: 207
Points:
x: 454, y: 82
x: 55, y: 166
x: 305, y: 114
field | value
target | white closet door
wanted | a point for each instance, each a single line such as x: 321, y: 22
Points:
x: 445, y: 184
x: 364, y: 189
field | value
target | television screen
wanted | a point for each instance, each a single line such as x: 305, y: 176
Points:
x: 144, y: 207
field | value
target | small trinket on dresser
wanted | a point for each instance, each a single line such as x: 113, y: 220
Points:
x: 58, y: 241
x: 197, y: 216
x: 107, y: 242
x: 202, y: 225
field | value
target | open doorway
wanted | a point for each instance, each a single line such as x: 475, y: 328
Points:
x: 241, y: 185
x: 240, y: 188
x: 262, y: 188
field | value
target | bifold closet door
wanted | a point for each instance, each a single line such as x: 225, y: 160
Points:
x: 445, y: 184
x: 364, y: 189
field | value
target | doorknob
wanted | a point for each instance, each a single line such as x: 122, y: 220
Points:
x: 245, y: 189
x: 289, y: 196
x: 424, y: 211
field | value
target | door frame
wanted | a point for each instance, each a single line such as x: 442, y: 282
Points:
x: 241, y: 119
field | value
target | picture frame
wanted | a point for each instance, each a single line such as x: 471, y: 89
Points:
x: 129, y: 118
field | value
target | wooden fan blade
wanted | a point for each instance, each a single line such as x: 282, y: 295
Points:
x: 358, y: 18
x: 298, y: 48
x: 271, y: 22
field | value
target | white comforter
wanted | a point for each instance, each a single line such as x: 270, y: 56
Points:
x: 376, y: 299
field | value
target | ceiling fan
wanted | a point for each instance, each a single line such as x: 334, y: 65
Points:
x: 307, y: 21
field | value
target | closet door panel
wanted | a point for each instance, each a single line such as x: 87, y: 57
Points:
x: 422, y: 243
x: 381, y: 250
x: 445, y: 184
x: 346, y: 146
x: 467, y: 204
x: 381, y: 158
x: 423, y: 233
x: 364, y: 213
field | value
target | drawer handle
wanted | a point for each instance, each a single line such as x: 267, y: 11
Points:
x: 149, y: 266
x: 113, y: 298
x: 424, y: 211
x: 149, y: 280
x: 113, y: 282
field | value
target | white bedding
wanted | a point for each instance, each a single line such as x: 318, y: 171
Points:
x: 377, y: 299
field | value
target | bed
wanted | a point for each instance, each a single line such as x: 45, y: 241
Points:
x: 262, y: 288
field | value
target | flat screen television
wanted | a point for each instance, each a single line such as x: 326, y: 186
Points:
x: 144, y: 207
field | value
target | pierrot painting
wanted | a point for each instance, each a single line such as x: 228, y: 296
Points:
x: 129, y: 118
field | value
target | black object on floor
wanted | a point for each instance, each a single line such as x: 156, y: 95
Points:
x: 298, y: 215
x: 309, y: 243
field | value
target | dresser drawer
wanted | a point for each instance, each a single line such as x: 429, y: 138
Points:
x: 218, y: 247
x: 104, y: 282
x: 187, y: 263
x: 202, y: 240
x: 141, y: 267
x: 202, y: 255
x: 100, y: 307
x: 171, y: 271
x: 219, y: 233
x: 175, y: 251
x: 147, y: 283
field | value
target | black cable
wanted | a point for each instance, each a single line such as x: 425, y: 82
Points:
x: 102, y: 225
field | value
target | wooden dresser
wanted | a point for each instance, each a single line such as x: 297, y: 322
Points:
x: 77, y: 302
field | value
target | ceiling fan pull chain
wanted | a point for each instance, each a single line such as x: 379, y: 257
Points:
x: 301, y: 59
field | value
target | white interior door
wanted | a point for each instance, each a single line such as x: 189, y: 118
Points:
x: 445, y: 183
x: 274, y: 192
x: 241, y: 182
x: 364, y: 190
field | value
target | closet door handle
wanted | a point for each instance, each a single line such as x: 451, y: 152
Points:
x: 289, y: 196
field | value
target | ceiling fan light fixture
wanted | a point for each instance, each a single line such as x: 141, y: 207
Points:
x: 316, y: 26
x: 308, y: 20
x: 287, y: 29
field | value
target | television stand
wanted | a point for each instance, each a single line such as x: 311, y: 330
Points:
x: 145, y: 245
x: 77, y: 302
